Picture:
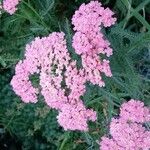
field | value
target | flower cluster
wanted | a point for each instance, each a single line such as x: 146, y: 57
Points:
x: 135, y: 111
x: 127, y: 132
x: 89, y: 41
x: 61, y: 83
x: 10, y: 6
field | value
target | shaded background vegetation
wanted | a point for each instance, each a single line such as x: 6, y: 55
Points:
x: 28, y: 126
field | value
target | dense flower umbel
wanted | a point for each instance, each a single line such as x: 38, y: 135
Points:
x: 10, y: 6
x: 89, y: 41
x: 127, y: 132
x: 135, y: 111
x: 49, y: 58
x: 61, y: 83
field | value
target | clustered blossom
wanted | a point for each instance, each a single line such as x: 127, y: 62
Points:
x: 10, y: 6
x: 89, y: 41
x: 61, y: 83
x: 49, y: 58
x: 127, y: 132
x: 135, y: 111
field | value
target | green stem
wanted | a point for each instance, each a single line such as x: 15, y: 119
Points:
x: 9, y: 122
x: 64, y: 141
x: 128, y: 15
x: 134, y: 12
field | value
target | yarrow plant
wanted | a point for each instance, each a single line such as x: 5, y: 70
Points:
x: 49, y: 57
x: 128, y: 132
x: 89, y: 41
x: 10, y: 6
x: 61, y: 83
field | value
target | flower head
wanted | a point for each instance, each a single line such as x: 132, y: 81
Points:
x: 127, y: 132
x: 10, y: 6
x: 61, y: 83
x: 135, y: 111
x: 89, y: 41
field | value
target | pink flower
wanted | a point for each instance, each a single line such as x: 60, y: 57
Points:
x: 109, y: 144
x: 21, y: 84
x: 75, y: 117
x: 61, y: 82
x: 91, y: 16
x: 128, y: 133
x: 135, y: 111
x: 89, y: 41
x: 10, y: 6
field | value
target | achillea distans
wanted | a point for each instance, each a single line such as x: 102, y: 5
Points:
x: 21, y: 83
x: 135, y: 111
x: 75, y: 116
x: 127, y: 132
x: 89, y: 41
x: 90, y: 16
x: 10, y: 6
x: 61, y: 82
